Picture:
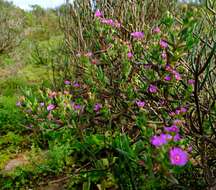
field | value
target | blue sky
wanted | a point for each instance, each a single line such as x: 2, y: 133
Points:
x: 24, y: 4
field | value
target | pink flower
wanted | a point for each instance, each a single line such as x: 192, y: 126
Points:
x: 172, y: 113
x: 137, y: 35
x: 140, y: 104
x: 190, y: 148
x: 156, y: 30
x: 183, y: 110
x: 152, y: 88
x: 176, y: 74
x: 98, y: 13
x: 67, y: 82
x: 167, y: 78
x: 191, y: 81
x: 168, y: 68
x: 89, y: 54
x: 164, y: 55
x: 130, y: 55
x: 158, y: 141
x: 50, y: 107
x: 177, y: 138
x: 76, y: 84
x: 173, y: 128
x: 178, y: 111
x: 178, y: 156
x: 163, y: 44
x: 97, y: 107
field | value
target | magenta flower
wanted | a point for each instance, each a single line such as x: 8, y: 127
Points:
x: 76, y: 84
x: 178, y: 111
x: 89, y: 54
x: 140, y: 104
x: 167, y: 78
x: 163, y: 44
x: 168, y: 68
x: 166, y: 136
x: 164, y: 55
x: 158, y: 141
x: 178, y: 156
x: 172, y: 113
x: 98, y: 13
x: 177, y: 75
x: 18, y: 104
x: 137, y: 35
x: 173, y: 128
x: 130, y: 55
x: 50, y: 107
x: 77, y: 106
x: 183, y: 110
x: 156, y: 30
x: 67, y: 82
x: 97, y: 107
x: 191, y: 81
x: 152, y: 88
x: 190, y: 148
x: 176, y: 138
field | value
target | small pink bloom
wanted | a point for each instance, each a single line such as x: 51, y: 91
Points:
x: 191, y: 81
x: 178, y: 156
x: 50, y: 107
x: 130, y: 55
x: 183, y: 110
x: 76, y: 85
x: 137, y: 35
x: 152, y: 88
x: 178, y: 111
x: 167, y: 78
x: 158, y: 141
x: 140, y: 104
x: 163, y: 44
x: 67, y: 82
x: 190, y: 148
x: 173, y: 128
x: 66, y: 92
x: 156, y: 30
x: 172, y: 114
x: 89, y: 54
x: 164, y: 55
x: 168, y: 68
x: 177, y: 75
x: 98, y: 13
x: 177, y: 138
x: 97, y: 107
x: 77, y: 106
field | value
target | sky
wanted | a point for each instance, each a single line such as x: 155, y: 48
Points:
x: 24, y: 4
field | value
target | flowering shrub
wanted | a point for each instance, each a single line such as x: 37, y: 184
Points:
x: 133, y: 110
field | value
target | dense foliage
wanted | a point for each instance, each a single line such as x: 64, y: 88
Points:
x: 132, y: 100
